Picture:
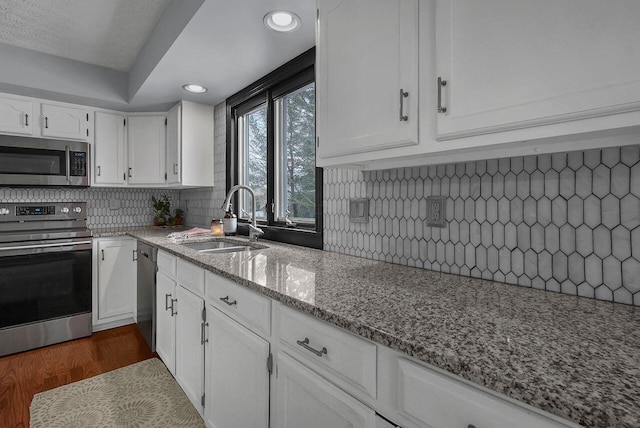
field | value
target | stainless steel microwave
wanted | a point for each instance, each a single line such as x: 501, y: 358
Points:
x: 41, y: 162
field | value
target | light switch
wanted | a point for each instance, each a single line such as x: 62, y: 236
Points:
x: 359, y: 210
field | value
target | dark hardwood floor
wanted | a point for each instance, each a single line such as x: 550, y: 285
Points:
x: 27, y: 373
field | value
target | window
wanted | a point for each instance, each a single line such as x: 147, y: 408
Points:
x: 271, y: 148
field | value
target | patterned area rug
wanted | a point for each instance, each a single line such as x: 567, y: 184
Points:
x: 140, y: 395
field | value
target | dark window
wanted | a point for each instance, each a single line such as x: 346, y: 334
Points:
x: 271, y: 148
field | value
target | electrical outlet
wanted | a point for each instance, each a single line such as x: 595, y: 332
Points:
x: 359, y: 210
x: 436, y: 215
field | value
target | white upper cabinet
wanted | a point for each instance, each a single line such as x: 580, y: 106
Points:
x: 64, y: 122
x: 146, y: 154
x: 511, y: 64
x: 190, y: 145
x: 366, y: 76
x: 16, y: 116
x: 109, y: 149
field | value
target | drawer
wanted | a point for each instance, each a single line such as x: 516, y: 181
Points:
x: 431, y: 399
x: 245, y: 306
x: 190, y: 277
x: 167, y: 264
x: 342, y: 357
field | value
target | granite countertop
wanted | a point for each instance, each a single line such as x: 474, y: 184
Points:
x: 574, y: 357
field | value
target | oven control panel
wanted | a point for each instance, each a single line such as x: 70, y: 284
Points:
x: 36, y: 210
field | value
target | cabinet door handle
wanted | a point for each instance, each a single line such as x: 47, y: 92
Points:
x: 226, y: 300
x: 130, y: 172
x: 172, y: 307
x: 99, y: 171
x: 46, y: 122
x: 471, y: 426
x: 26, y: 119
x: 403, y: 95
x: 102, y: 253
x: 305, y: 344
x: 167, y: 306
x: 135, y: 253
x: 441, y: 83
x: 175, y: 168
x: 203, y: 339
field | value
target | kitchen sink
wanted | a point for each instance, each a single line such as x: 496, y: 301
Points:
x: 221, y: 246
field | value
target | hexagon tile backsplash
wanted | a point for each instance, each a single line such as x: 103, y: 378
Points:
x: 567, y: 222
x: 135, y: 207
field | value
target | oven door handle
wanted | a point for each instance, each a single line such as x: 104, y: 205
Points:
x: 68, y: 156
x: 73, y: 246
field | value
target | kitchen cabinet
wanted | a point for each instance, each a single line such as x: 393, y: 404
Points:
x: 367, y: 76
x: 304, y: 399
x: 189, y: 145
x: 166, y: 307
x: 64, y: 122
x: 519, y: 64
x: 146, y: 149
x: 190, y: 331
x: 427, y: 398
x: 114, y: 281
x: 16, y: 116
x: 237, y: 375
x: 109, y: 149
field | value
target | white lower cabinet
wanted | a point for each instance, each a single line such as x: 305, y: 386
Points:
x: 114, y: 281
x: 165, y: 320
x: 304, y: 399
x: 190, y: 345
x: 237, y: 375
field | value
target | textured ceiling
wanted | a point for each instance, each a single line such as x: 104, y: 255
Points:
x: 108, y: 33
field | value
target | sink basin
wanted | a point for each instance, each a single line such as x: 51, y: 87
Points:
x: 219, y: 246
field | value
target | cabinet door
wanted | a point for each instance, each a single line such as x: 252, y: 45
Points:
x: 166, y: 305
x: 16, y: 116
x: 189, y: 346
x: 64, y: 122
x: 174, y: 138
x: 367, y: 54
x: 109, y: 149
x: 146, y: 142
x: 116, y: 278
x: 515, y: 64
x: 237, y: 380
x: 304, y: 399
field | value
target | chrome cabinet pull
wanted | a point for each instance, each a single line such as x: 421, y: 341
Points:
x: 403, y: 95
x: 133, y: 256
x: 26, y: 119
x: 226, y: 300
x: 175, y: 168
x: 305, y: 344
x: 167, y: 306
x: 203, y: 339
x: 99, y: 171
x: 172, y: 311
x: 46, y: 122
x: 130, y: 172
x: 102, y: 252
x: 441, y: 83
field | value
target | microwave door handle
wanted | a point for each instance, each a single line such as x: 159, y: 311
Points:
x: 67, y: 156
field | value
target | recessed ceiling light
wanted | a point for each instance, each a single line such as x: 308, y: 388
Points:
x: 196, y: 89
x: 282, y: 21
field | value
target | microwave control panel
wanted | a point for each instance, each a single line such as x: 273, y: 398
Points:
x: 78, y: 164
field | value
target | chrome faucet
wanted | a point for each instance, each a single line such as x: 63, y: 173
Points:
x: 254, y: 230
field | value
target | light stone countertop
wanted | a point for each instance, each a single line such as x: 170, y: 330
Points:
x: 574, y: 357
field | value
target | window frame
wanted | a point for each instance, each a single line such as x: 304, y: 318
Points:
x: 293, y: 75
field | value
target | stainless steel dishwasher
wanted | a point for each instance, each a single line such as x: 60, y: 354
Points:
x: 146, y: 294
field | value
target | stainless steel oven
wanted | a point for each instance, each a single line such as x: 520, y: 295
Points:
x: 40, y: 162
x: 45, y: 275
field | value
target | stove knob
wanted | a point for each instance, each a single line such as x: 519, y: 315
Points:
x: 77, y: 210
x: 5, y: 211
x: 64, y: 210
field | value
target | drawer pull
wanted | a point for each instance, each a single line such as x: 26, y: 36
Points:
x: 226, y: 300
x: 305, y: 344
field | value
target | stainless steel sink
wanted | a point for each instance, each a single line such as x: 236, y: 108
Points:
x: 220, y: 246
